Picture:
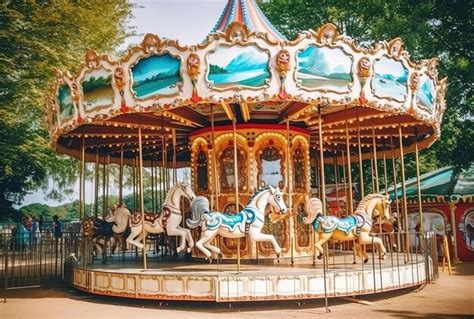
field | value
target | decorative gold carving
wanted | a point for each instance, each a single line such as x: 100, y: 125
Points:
x: 279, y: 230
x: 283, y: 62
x: 327, y: 33
x: 364, y: 67
x: 150, y: 43
x: 299, y: 168
x: 237, y: 32
x: 92, y: 59
x: 414, y: 80
x: 119, y: 78
x: 302, y: 230
x: 193, y: 63
x: 432, y: 70
x: 226, y: 168
x: 395, y: 47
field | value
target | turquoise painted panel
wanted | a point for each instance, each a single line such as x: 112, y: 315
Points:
x: 156, y: 75
x: 66, y: 108
x: 97, y: 89
x: 324, y: 68
x: 390, y: 79
x: 244, y: 66
x: 426, y: 92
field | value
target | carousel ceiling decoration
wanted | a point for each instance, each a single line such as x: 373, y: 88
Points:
x: 247, y: 69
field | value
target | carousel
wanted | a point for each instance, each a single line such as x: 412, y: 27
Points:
x: 279, y: 135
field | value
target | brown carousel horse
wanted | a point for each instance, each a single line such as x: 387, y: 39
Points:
x: 101, y: 231
x: 354, y: 227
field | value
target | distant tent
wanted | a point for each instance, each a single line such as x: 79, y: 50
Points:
x: 442, y: 185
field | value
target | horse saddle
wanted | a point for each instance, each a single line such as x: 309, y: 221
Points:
x: 330, y: 223
x: 242, y: 219
x: 149, y: 218
x: 100, y: 226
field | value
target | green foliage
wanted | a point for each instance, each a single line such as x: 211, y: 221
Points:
x: 429, y: 28
x: 95, y: 83
x: 35, y: 37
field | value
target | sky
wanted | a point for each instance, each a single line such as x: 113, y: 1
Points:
x: 189, y: 21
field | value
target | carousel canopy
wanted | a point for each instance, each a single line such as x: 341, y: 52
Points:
x: 247, y: 70
x: 443, y: 183
x: 248, y: 13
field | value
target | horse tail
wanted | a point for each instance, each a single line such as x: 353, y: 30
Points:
x: 199, y: 206
x: 313, y: 208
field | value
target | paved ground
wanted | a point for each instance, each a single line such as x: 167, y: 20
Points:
x: 448, y: 297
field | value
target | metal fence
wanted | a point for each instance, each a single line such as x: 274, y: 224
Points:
x: 26, y: 262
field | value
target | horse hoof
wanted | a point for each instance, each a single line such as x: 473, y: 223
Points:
x: 178, y: 250
x: 354, y: 262
x: 366, y: 260
x: 189, y: 250
x: 320, y: 257
x: 209, y: 260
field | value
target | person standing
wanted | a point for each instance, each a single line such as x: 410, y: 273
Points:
x: 58, y: 231
x: 35, y: 231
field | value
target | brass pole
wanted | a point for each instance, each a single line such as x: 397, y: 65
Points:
x: 104, y: 180
x: 316, y: 180
x: 121, y: 176
x: 418, y: 184
x: 163, y: 157
x: 336, y: 179
x: 385, y: 169
x: 134, y: 189
x: 321, y: 161
x: 374, y: 145
x: 215, y: 196
x: 82, y: 175
x: 236, y: 177
x: 142, y: 207
x: 361, y: 169
x: 344, y: 178
x: 404, y: 193
x: 349, y: 171
x: 323, y: 182
x: 394, y: 169
x: 96, y: 184
x: 175, y: 170
x: 152, y: 173
x: 289, y: 179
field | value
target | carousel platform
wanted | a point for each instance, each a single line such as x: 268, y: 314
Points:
x: 197, y: 281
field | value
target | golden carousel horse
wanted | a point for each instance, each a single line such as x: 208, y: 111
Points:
x: 354, y: 227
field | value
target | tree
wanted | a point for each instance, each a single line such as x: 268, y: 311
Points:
x: 429, y: 28
x: 37, y: 36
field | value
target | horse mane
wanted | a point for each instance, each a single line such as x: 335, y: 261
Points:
x: 258, y: 191
x: 363, y: 202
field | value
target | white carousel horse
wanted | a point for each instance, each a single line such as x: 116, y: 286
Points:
x: 354, y: 227
x: 168, y: 221
x: 250, y: 220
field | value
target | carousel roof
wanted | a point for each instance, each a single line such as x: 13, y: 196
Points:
x: 246, y: 70
x: 246, y: 12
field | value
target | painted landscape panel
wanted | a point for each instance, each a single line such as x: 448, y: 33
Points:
x: 246, y: 66
x: 390, y: 79
x: 66, y: 108
x: 97, y: 89
x: 324, y: 68
x: 156, y: 75
x: 426, y: 92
